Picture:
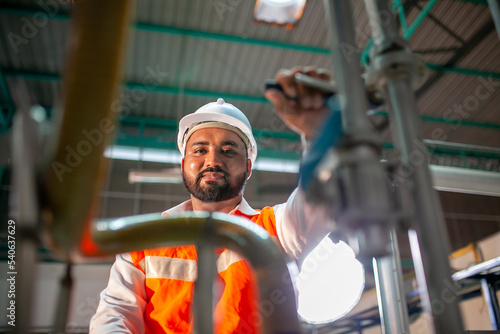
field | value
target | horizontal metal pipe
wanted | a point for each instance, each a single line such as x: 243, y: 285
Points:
x: 467, y: 181
x: 466, y: 148
x: 235, y: 233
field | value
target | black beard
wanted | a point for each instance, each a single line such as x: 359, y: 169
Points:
x: 215, y: 192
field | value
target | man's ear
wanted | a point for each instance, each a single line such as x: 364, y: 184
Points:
x: 182, y: 164
x: 249, y: 166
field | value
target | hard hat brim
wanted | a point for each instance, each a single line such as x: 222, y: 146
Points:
x: 191, y: 120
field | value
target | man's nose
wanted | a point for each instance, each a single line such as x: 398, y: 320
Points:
x: 213, y: 159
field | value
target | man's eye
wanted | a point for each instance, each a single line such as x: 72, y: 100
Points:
x: 199, y: 150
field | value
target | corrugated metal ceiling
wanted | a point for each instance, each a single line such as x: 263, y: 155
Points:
x: 204, y: 49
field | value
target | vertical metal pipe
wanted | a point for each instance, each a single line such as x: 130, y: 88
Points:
x: 354, y: 106
x: 428, y: 218
x: 24, y: 210
x: 26, y: 256
x: 489, y: 294
x: 390, y: 291
x: 63, y: 301
x: 354, y: 103
x: 495, y: 13
x: 382, y: 22
x: 203, y: 287
x: 427, y: 215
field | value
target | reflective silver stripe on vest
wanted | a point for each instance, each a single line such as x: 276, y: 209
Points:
x: 227, y: 258
x: 167, y: 267
x: 181, y: 269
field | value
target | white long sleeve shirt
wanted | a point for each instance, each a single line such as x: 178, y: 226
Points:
x: 300, y: 226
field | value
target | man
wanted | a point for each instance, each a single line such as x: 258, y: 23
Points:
x: 150, y: 291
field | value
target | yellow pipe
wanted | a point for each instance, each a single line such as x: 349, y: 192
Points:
x: 76, y: 168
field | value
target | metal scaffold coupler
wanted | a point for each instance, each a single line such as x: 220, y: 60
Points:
x: 346, y: 180
x: 394, y: 60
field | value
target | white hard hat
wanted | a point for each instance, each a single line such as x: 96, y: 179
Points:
x: 218, y: 115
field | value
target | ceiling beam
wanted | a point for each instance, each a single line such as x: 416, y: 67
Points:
x: 466, y: 48
x: 171, y: 30
x: 287, y: 144
x: 228, y: 38
x: 461, y: 70
x: 51, y: 77
x: 476, y: 2
x: 419, y: 19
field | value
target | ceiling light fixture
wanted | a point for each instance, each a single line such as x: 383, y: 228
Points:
x: 285, y: 13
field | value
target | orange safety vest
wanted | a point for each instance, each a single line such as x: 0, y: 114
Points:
x: 170, y: 275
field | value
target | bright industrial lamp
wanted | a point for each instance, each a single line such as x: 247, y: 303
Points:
x: 330, y: 282
x: 279, y: 12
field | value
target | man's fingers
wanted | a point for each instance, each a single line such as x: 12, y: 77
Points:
x: 305, y: 95
x: 324, y: 74
x: 309, y: 97
x: 311, y: 71
x: 287, y: 81
x: 275, y: 97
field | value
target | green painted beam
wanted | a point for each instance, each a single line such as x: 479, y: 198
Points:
x: 22, y: 11
x: 460, y: 122
x: 51, y: 77
x: 450, y: 121
x: 8, y: 107
x: 171, y: 30
x: 193, y: 92
x: 30, y: 75
x: 461, y: 150
x: 126, y: 140
x: 149, y: 121
x: 263, y: 133
x: 407, y: 32
x: 365, y: 54
x: 4, y: 88
x: 288, y: 137
x: 419, y: 19
x: 464, y: 71
x: 228, y: 38
x: 173, y: 125
x: 476, y: 2
x: 261, y: 99
x: 4, y: 123
x: 401, y: 14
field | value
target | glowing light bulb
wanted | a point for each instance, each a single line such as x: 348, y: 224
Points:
x: 330, y: 282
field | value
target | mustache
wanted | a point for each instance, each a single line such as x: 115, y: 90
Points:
x: 213, y: 170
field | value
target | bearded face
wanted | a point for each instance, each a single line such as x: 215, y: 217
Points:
x: 215, y: 166
x: 227, y: 187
